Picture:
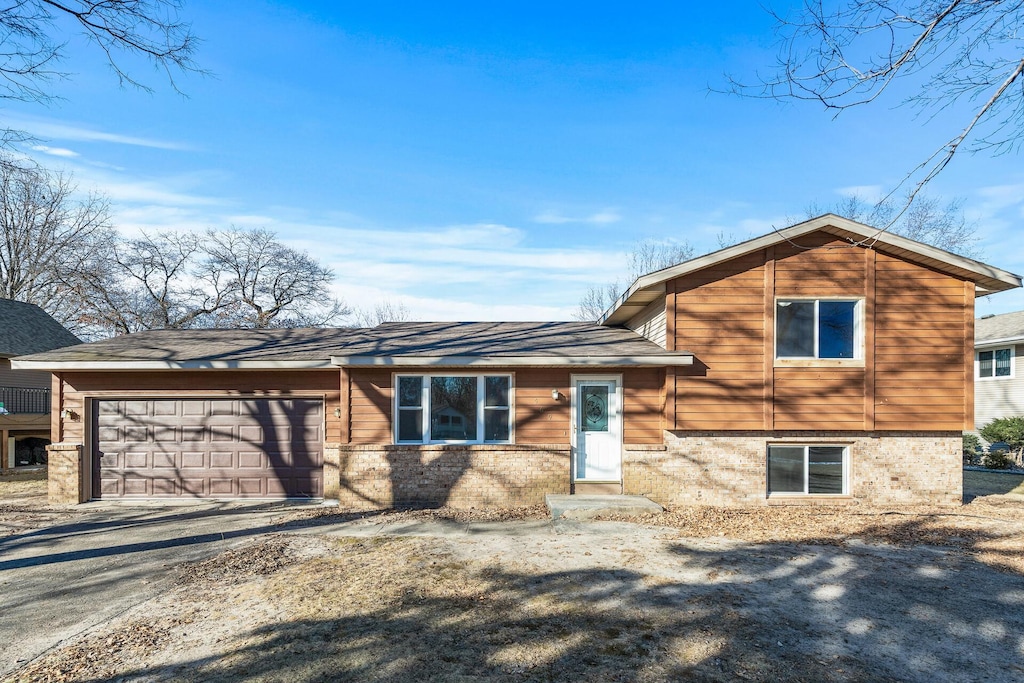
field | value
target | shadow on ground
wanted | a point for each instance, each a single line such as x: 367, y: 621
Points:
x: 398, y: 609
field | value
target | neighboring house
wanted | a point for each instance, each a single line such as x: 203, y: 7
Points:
x: 25, y: 394
x: 998, y: 368
x: 826, y: 361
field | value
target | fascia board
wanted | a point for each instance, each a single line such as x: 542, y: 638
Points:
x: 514, y: 361
x: 61, y: 366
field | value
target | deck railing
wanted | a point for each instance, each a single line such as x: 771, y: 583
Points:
x: 16, y: 400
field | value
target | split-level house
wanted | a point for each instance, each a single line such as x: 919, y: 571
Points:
x: 25, y: 394
x: 998, y: 367
x: 826, y: 361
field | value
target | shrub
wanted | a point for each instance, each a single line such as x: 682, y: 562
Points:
x: 996, y: 460
x: 972, y: 448
x: 1009, y: 430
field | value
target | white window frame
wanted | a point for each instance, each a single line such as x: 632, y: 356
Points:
x: 807, y: 470
x: 858, y: 331
x: 481, y: 407
x: 1013, y: 363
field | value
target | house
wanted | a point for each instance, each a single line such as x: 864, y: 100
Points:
x: 998, y: 373
x: 826, y: 361
x: 25, y: 394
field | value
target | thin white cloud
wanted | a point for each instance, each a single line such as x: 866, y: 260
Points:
x: 55, y: 151
x: 603, y: 217
x: 57, y: 130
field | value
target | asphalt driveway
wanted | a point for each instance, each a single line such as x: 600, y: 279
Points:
x: 59, y: 581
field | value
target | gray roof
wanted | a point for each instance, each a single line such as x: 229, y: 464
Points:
x: 387, y: 344
x: 26, y: 328
x: 182, y: 346
x: 495, y: 339
x: 998, y: 327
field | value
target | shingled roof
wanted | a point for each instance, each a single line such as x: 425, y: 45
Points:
x: 995, y: 328
x: 503, y: 343
x: 407, y: 343
x: 26, y: 328
x: 160, y: 349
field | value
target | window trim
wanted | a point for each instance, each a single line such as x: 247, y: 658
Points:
x: 807, y: 446
x: 481, y: 407
x: 859, y: 324
x: 1012, y: 348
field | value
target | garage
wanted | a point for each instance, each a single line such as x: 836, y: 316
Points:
x: 207, y: 448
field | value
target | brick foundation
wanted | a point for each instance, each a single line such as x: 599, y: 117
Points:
x: 731, y: 469
x: 381, y: 476
x: 65, y: 485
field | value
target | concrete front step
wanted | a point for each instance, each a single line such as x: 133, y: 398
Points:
x: 588, y: 507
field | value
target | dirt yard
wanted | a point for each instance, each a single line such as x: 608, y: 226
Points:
x: 792, y: 593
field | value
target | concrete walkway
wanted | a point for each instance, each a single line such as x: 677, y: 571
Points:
x: 62, y: 580
x: 588, y: 507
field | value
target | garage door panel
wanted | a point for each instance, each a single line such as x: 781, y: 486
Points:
x: 223, y: 434
x: 129, y: 408
x: 209, y: 447
x: 251, y: 460
x: 165, y: 460
x: 165, y: 408
x: 195, y: 459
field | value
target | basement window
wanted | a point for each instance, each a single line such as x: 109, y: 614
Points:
x: 807, y: 470
x: 453, y: 409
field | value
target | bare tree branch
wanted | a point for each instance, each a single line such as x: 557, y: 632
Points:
x: 947, y: 53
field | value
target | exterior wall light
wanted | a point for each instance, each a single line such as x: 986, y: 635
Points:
x: 555, y: 395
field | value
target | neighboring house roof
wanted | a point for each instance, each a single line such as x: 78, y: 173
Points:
x: 648, y: 288
x: 26, y: 328
x: 992, y: 329
x: 450, y: 344
x: 196, y: 349
x: 503, y: 343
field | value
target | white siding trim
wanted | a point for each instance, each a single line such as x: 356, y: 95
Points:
x: 650, y: 323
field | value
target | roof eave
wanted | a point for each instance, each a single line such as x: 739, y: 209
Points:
x: 653, y: 360
x: 996, y: 342
x: 129, y: 365
x: 989, y: 278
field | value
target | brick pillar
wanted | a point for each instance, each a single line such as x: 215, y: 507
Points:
x: 332, y: 471
x: 64, y: 469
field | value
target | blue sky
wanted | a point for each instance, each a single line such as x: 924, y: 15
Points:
x: 478, y: 163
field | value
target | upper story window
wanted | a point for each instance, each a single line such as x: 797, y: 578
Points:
x: 453, y: 409
x: 995, y: 363
x: 818, y: 328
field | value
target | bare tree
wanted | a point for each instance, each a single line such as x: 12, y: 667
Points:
x: 926, y: 220
x: 35, y: 34
x: 273, y: 285
x: 162, y: 281
x: 646, y: 256
x: 947, y: 52
x: 382, y: 312
x: 55, y: 246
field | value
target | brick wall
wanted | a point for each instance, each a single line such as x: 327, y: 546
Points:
x: 709, y: 469
x: 65, y: 485
x: 378, y: 476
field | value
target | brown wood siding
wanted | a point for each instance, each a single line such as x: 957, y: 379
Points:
x: 370, y: 407
x: 920, y: 347
x: 642, y: 404
x: 77, y: 385
x: 539, y: 419
x: 916, y: 329
x: 719, y: 317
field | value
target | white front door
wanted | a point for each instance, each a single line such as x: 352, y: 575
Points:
x: 597, y: 427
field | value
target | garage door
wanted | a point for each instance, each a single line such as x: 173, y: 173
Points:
x: 216, y: 448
